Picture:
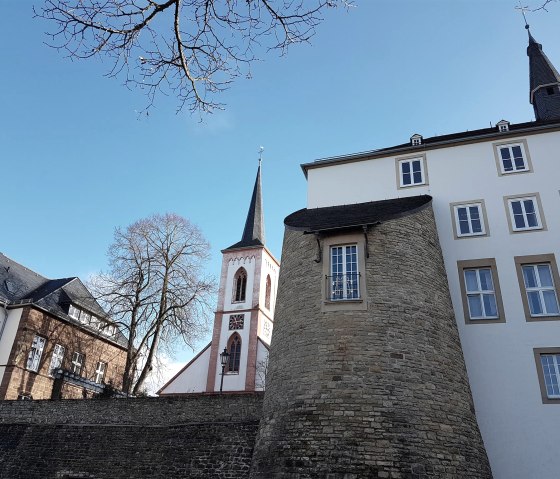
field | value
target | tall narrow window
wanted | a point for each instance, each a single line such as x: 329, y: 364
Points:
x: 239, y: 285
x: 100, y: 370
x: 344, y: 279
x: 267, y: 292
x: 481, y: 296
x: 57, y: 358
x: 234, y: 348
x: 78, y: 360
x: 551, y: 371
x: 35, y: 353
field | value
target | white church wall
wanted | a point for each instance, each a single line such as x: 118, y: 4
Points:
x: 514, y: 422
x: 193, y: 378
x: 234, y: 262
x: 262, y: 366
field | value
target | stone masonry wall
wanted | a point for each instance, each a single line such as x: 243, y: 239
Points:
x: 199, y: 436
x: 377, y: 393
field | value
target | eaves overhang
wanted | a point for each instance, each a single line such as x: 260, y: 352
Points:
x: 434, y: 144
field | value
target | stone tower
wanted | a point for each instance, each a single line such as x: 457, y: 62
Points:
x: 366, y: 376
x: 244, y: 316
x: 544, y: 83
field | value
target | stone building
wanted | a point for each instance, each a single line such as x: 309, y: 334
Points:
x: 418, y: 308
x: 55, y: 339
x: 244, y: 317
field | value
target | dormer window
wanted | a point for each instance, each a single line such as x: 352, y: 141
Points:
x: 416, y: 139
x: 503, y: 126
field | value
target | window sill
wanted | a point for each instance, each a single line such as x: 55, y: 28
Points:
x: 344, y: 305
x: 232, y: 373
x: 548, y: 317
x: 343, y: 301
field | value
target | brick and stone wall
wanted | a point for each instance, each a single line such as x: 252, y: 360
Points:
x: 198, y: 436
x: 380, y: 392
x: 18, y: 380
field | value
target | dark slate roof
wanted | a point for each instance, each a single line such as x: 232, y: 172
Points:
x: 355, y: 215
x: 541, y: 70
x: 253, y: 233
x: 19, y: 285
x: 441, y: 141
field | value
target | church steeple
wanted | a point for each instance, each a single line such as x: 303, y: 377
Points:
x: 544, y: 82
x: 253, y: 233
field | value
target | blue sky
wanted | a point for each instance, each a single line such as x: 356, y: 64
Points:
x: 78, y: 161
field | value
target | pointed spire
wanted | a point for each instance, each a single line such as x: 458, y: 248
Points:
x: 253, y: 233
x: 544, y: 82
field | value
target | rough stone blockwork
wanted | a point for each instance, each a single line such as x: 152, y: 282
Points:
x: 190, y: 437
x: 379, y: 393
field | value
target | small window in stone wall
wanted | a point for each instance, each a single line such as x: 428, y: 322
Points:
x: 239, y: 285
x: 236, y: 321
x: 35, y: 353
x: 234, y: 348
x: 78, y: 361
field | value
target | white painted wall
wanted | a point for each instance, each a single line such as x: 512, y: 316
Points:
x: 262, y: 366
x: 520, y: 433
x: 8, y: 335
x: 193, y: 378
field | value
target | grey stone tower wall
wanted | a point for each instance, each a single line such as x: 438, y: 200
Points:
x: 380, y: 393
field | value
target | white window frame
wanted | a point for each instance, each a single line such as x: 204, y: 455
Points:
x: 35, y: 353
x: 480, y: 293
x: 350, y: 286
x: 536, y: 208
x: 515, y: 169
x: 553, y: 370
x: 100, y: 371
x: 56, y: 358
x: 540, y: 290
x: 74, y: 312
x: 481, y: 218
x: 78, y: 360
x: 410, y: 162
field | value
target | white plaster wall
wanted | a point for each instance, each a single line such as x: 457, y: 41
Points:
x: 268, y: 267
x: 234, y: 381
x: 520, y: 433
x: 9, y: 334
x: 234, y: 262
x: 262, y: 366
x: 193, y: 378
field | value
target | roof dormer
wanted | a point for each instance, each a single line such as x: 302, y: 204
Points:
x: 503, y: 126
x: 416, y: 139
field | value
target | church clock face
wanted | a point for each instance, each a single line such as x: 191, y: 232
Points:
x: 236, y: 321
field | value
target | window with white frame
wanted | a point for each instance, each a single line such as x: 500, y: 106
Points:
x: 512, y: 158
x: 73, y: 312
x: 100, y: 370
x: 411, y: 172
x: 35, y: 353
x: 469, y: 220
x: 524, y: 213
x: 540, y: 290
x: 550, y: 364
x: 78, y: 360
x: 344, y: 279
x: 481, y: 295
x: 56, y: 358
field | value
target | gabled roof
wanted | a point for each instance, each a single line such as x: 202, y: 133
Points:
x: 253, y: 233
x: 21, y: 286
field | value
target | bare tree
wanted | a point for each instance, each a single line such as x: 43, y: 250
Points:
x: 155, y: 290
x: 191, y: 48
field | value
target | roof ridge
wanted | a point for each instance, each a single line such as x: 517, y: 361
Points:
x: 25, y: 267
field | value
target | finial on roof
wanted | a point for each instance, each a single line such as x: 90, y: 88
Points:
x: 524, y: 9
x: 261, y: 149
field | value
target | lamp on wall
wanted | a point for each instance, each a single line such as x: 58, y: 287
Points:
x: 224, y: 357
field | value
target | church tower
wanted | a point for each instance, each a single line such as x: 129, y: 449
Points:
x: 544, y: 82
x: 244, y: 315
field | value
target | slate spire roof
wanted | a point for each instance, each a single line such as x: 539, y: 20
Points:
x: 253, y: 233
x: 542, y: 74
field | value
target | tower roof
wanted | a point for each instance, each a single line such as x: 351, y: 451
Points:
x: 541, y: 70
x: 253, y: 233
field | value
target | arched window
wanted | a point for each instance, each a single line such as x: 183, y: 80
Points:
x: 267, y: 292
x: 239, y: 285
x: 234, y: 348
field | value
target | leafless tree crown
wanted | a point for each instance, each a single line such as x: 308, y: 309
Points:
x: 190, y: 48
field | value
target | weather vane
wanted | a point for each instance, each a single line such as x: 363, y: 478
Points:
x: 523, y: 9
x: 261, y: 149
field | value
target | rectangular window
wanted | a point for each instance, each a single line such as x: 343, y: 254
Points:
x: 411, y: 172
x: 344, y: 279
x: 524, y: 213
x: 547, y: 361
x: 480, y: 291
x: 78, y: 360
x: 512, y: 158
x: 73, y: 312
x: 469, y: 219
x: 35, y: 353
x: 56, y: 359
x: 100, y: 370
x: 538, y: 282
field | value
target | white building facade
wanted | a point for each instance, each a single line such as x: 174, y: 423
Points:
x: 244, y: 317
x: 496, y: 201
